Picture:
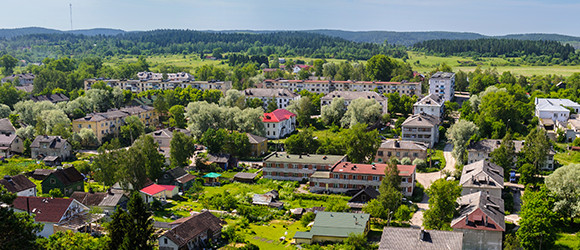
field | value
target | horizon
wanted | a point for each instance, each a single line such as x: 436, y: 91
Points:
x: 490, y: 18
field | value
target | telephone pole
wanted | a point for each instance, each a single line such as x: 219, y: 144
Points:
x: 71, y: 23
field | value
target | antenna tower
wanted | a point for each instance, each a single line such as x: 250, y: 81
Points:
x: 71, y: 26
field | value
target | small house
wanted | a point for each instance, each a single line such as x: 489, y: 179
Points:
x: 211, y: 178
x: 160, y: 192
x: 362, y: 197
x: 245, y: 177
x: 68, y: 180
x: 177, y: 177
x: 195, y: 232
x: 106, y: 201
x: 334, y: 227
x: 19, y: 184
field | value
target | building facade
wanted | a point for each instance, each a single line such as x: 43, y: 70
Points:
x: 325, y: 87
x: 481, y: 219
x: 281, y: 96
x: 194, y: 232
x: 48, y: 145
x: 350, y: 96
x: 401, y: 149
x: 10, y: 143
x: 279, y: 123
x: 138, y: 86
x: 19, y: 185
x: 259, y: 145
x: 421, y: 128
x: 431, y: 104
x: 68, y: 180
x: 289, y: 167
x: 481, y: 150
x: 482, y: 176
x: 443, y: 83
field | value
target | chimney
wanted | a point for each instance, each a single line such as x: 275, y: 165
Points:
x: 422, y: 235
x: 397, y: 144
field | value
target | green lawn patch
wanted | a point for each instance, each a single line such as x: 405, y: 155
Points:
x: 568, y: 241
x: 568, y: 157
x: 18, y: 165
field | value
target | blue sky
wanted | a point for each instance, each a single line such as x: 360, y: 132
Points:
x: 489, y: 17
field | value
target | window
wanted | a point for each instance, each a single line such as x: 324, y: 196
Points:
x: 380, y: 153
x: 52, y: 181
x: 335, y: 185
x: 415, y: 154
x: 313, y: 167
x: 375, y: 178
x: 336, y: 176
x: 80, y: 125
x: 295, y: 166
x: 398, y: 154
x: 89, y: 126
x: 345, y: 177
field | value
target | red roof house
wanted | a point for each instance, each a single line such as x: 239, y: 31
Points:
x: 279, y: 123
x: 153, y: 191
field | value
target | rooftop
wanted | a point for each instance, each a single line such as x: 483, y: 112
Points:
x: 402, y: 144
x: 154, y: 189
x: 336, y: 224
x: 482, y: 174
x: 352, y: 95
x: 168, y: 132
x: 370, y: 169
x: 277, y: 115
x: 46, y: 209
x: 480, y: 211
x: 17, y: 183
x: 68, y: 175
x: 421, y: 120
x: 396, y: 238
x: 283, y: 157
x: 52, y: 141
x: 440, y: 74
x: 192, y: 226
x: 254, y: 139
x: 262, y: 92
x: 431, y: 100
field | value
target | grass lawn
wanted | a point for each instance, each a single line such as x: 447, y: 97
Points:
x: 267, y: 236
x: 568, y: 157
x: 568, y: 241
x: 18, y: 165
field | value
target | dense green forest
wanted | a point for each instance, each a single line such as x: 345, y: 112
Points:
x: 38, y: 46
x: 535, y: 52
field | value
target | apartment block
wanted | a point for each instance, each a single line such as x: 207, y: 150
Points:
x: 325, y: 86
x: 443, y: 83
x: 138, y: 86
x: 290, y: 167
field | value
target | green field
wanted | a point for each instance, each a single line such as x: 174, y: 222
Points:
x: 568, y: 157
x: 568, y: 241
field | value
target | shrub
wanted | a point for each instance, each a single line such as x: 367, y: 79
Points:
x: 307, y: 218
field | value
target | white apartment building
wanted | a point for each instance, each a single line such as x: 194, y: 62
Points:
x: 443, y: 83
x: 325, y: 86
x: 431, y: 104
x: 282, y: 96
x: 422, y: 128
x: 350, y: 96
x: 279, y: 123
x: 138, y: 86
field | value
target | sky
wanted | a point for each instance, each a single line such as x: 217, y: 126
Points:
x: 488, y: 17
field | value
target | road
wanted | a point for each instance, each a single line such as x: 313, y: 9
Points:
x: 426, y: 179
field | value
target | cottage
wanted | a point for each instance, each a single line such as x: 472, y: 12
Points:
x: 211, y: 178
x: 395, y: 238
x: 223, y: 161
x: 50, y: 148
x: 401, y: 149
x: 483, y: 176
x: 107, y: 201
x: 195, y: 232
x: 361, y: 198
x: 259, y: 145
x: 163, y: 136
x: 159, y: 192
x: 334, y: 226
x: 177, y: 177
x: 481, y: 150
x: 284, y: 166
x: 268, y: 199
x: 421, y: 128
x: 19, y: 184
x: 279, y: 123
x: 40, y: 174
x: 68, y: 180
x: 10, y: 143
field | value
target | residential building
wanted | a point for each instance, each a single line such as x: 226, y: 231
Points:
x: 299, y: 67
x: 481, y: 220
x: 163, y: 138
x: 245, y: 177
x: 482, y: 176
x: 431, y: 104
x: 48, y: 145
x: 281, y: 96
x: 259, y: 145
x: 68, y: 180
x: 138, y: 86
x: 334, y: 227
x: 194, y: 232
x: 223, y: 161
x: 279, y: 123
x: 178, y: 177
x: 401, y: 149
x: 159, y: 192
x: 350, y: 96
x: 443, y: 83
x: 396, y: 238
x: 23, y: 79
x: 10, y: 143
x: 269, y: 199
x: 555, y: 109
x: 40, y: 174
x: 19, y: 185
x: 421, y: 128
x: 346, y: 176
x: 361, y: 198
x: 290, y: 167
x: 147, y: 114
x: 170, y: 77
x: 56, y: 214
x: 54, y: 98
x: 481, y: 150
x: 107, y: 201
x: 326, y: 86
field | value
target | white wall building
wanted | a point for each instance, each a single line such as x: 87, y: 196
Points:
x: 350, y: 96
x: 555, y: 109
x: 279, y: 123
x: 422, y: 128
x: 431, y: 104
x: 282, y: 96
x: 443, y: 83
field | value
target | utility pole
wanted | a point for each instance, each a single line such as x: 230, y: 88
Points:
x: 71, y: 23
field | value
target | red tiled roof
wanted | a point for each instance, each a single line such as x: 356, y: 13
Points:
x: 379, y: 169
x: 153, y: 189
x: 277, y: 115
x: 46, y: 209
x: 168, y: 187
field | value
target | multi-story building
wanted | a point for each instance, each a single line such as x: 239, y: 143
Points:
x: 281, y: 96
x: 23, y: 79
x: 443, y: 83
x: 401, y: 149
x: 483, y: 176
x: 138, y: 86
x: 350, y: 96
x: 555, y: 109
x: 171, y: 77
x: 422, y: 128
x: 431, y: 104
x: 346, y: 176
x: 481, y: 150
x: 48, y: 145
x: 279, y: 123
x: 109, y: 122
x: 10, y: 143
x: 283, y: 166
x: 325, y: 87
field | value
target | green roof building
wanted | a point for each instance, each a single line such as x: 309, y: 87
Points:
x: 334, y: 226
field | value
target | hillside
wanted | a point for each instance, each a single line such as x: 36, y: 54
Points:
x: 10, y: 33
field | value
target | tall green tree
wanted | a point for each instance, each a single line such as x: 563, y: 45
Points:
x: 537, y: 223
x: 504, y: 156
x: 301, y: 143
x: 443, y: 196
x: 390, y: 194
x: 332, y: 114
x: 182, y: 148
x: 141, y: 233
x: 536, y: 148
x: 379, y: 68
x: 303, y: 109
x: 272, y: 105
x: 177, y: 117
x: 361, y: 145
x: 564, y: 184
x: 117, y: 228
x: 132, y: 129
x: 361, y: 110
x: 8, y: 62
x: 459, y: 135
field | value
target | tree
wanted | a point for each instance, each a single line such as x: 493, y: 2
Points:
x: 361, y: 111
x: 390, y: 194
x: 132, y: 230
x: 237, y: 144
x: 443, y: 196
x: 379, y: 68
x: 182, y: 148
x: 132, y: 129
x: 255, y: 103
x: 564, y: 184
x: 4, y: 111
x: 361, y: 146
x: 272, y: 105
x: 233, y: 98
x: 504, y: 155
x: 177, y: 117
x: 536, y: 148
x: 117, y: 228
x: 301, y: 143
x: 537, y: 223
x: 332, y: 114
x: 303, y: 109
x: 329, y: 70
x: 8, y: 62
x: 403, y: 213
x: 160, y: 104
x: 459, y: 135
x: 213, y: 140
x: 17, y: 230
x: 147, y: 150
x: 70, y: 240
x: 375, y: 208
x: 406, y: 161
x: 357, y: 241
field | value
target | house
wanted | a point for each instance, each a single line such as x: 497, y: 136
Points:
x: 19, y: 184
x: 395, y: 238
x: 281, y: 96
x: 483, y: 176
x: 431, y: 104
x: 47, y: 145
x: 555, y: 109
x: 361, y: 198
x: 40, y: 174
x: 163, y: 136
x: 224, y: 161
x: 279, y: 123
x: 68, y: 180
x: 56, y: 214
x: 334, y: 227
x: 401, y: 149
x: 10, y: 143
x: 211, y: 178
x: 107, y: 201
x: 481, y: 150
x: 23, y: 79
x: 54, y: 98
x: 268, y: 199
x: 299, y: 67
x: 350, y: 96
x: 481, y: 219
x: 421, y: 128
x: 177, y: 177
x: 290, y: 167
x: 195, y: 232
x: 245, y: 177
x: 346, y: 176
x: 326, y: 86
x: 259, y: 145
x: 160, y: 192
x: 443, y: 83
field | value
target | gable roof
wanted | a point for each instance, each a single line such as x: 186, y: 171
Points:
x: 278, y: 115
x: 16, y: 183
x: 192, y: 227
x: 68, y: 176
x: 396, y: 238
x: 430, y: 100
x: 7, y: 139
x: 109, y: 199
x: 482, y: 174
x: 422, y: 120
x: 45, y: 209
x: 369, y: 191
x: 6, y: 126
x: 335, y: 224
x: 403, y: 144
x: 480, y: 211
x: 546, y: 102
x: 254, y: 139
x: 168, y: 132
x: 55, y: 142
x: 440, y: 74
x: 154, y: 189
x: 245, y: 176
x: 176, y: 172
x: 54, y: 98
